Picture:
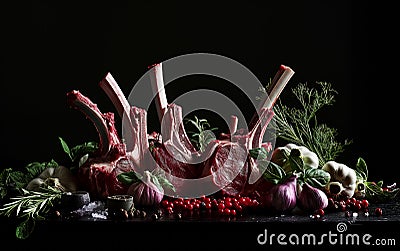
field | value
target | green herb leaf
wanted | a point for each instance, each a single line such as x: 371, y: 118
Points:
x: 163, y: 181
x: 80, y: 150
x: 316, y: 177
x: 65, y: 147
x: 30, y: 206
x: 34, y: 169
x: 25, y: 228
x: 361, y: 169
x: 375, y: 193
x: 259, y: 153
x: 204, y: 134
x: 295, y: 161
x: 299, y: 124
x: 272, y: 172
x: 128, y: 178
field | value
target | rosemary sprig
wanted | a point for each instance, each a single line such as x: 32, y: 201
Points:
x: 30, y: 207
x: 203, y: 134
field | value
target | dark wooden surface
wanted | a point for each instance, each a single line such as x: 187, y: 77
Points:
x: 169, y: 233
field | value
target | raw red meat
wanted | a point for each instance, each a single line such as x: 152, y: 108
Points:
x: 225, y: 160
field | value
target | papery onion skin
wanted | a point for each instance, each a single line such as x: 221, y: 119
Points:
x: 312, y: 199
x: 145, y: 193
x: 282, y: 197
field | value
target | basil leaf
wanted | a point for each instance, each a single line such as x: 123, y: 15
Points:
x: 259, y: 153
x: 375, y: 193
x: 164, y: 182
x: 18, y: 178
x: 128, y: 178
x: 86, y: 148
x: 316, y: 177
x: 156, y: 182
x: 361, y: 169
x: 295, y: 161
x: 25, y: 228
x: 65, y: 147
x: 273, y: 172
x: 34, y: 169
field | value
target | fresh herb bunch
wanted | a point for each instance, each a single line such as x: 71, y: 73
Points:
x: 203, y: 134
x: 15, y: 179
x: 305, y: 174
x: 30, y: 207
x: 299, y: 125
x: 373, y: 190
x: 76, y: 153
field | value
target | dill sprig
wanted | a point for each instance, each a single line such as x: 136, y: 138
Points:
x: 299, y: 125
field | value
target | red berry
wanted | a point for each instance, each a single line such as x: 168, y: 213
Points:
x: 365, y: 203
x: 207, y: 200
x: 189, y: 206
x: 233, y: 212
x: 170, y: 210
x: 357, y: 206
x: 320, y: 212
x: 228, y: 204
x: 238, y: 207
x: 165, y: 203
x: 227, y: 211
x: 221, y: 206
x: 378, y: 211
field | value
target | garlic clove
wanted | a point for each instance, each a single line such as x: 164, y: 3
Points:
x: 312, y: 199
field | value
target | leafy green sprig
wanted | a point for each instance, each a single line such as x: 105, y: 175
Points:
x: 294, y: 164
x: 157, y: 177
x: 373, y: 190
x: 299, y: 125
x: 203, y: 134
x: 30, y: 207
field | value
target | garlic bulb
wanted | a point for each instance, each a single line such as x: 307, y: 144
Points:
x: 343, y: 179
x: 311, y: 198
x: 282, y: 197
x: 57, y: 177
x: 145, y: 192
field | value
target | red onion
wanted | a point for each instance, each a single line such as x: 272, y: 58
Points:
x: 145, y: 192
x: 282, y: 197
x: 311, y: 198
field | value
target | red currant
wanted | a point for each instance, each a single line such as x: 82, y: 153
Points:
x: 320, y: 212
x: 378, y: 211
x: 364, y: 203
x: 227, y: 211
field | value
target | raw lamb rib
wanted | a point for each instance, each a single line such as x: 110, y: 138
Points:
x: 227, y: 162
x: 224, y: 166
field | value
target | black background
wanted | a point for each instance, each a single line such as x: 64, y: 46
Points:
x: 52, y: 47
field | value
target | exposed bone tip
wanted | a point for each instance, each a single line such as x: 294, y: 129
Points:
x: 153, y: 65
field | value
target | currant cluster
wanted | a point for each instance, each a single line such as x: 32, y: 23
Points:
x: 352, y: 205
x: 223, y: 206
